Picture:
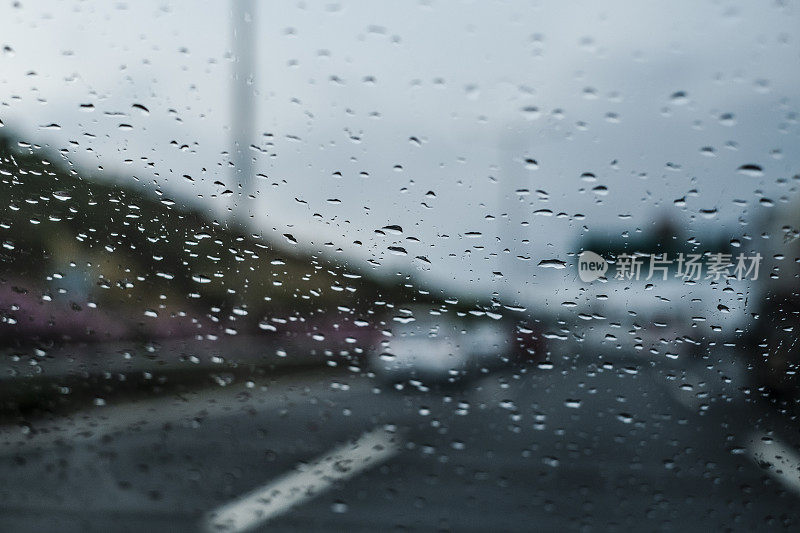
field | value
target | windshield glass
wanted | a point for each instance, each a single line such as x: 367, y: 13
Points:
x: 359, y: 266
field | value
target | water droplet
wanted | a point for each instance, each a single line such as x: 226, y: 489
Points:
x: 708, y: 151
x: 394, y: 229
x: 62, y: 195
x: 752, y: 170
x: 727, y: 119
x: 339, y: 507
x: 531, y: 112
x: 679, y: 98
x: 552, y: 263
x: 625, y: 418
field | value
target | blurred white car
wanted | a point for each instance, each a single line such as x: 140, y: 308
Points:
x: 439, y: 348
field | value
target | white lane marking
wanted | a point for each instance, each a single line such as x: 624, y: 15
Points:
x: 783, y: 460
x: 314, y: 478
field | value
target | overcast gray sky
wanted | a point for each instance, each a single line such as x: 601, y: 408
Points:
x: 483, y: 86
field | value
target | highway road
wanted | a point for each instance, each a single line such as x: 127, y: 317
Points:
x: 627, y: 442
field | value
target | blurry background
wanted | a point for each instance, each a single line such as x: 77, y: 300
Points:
x: 237, y: 234
x: 530, y: 127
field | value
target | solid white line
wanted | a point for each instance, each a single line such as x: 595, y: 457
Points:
x: 783, y: 460
x: 311, y: 480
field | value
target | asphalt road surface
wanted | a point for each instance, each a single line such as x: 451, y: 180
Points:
x: 626, y: 443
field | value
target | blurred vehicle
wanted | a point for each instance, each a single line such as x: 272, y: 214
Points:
x: 637, y: 315
x: 662, y: 315
x: 776, y: 353
x: 661, y: 311
x: 445, y: 348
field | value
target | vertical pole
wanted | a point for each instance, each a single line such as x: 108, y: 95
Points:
x: 243, y: 103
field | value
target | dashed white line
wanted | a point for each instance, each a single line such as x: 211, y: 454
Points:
x: 784, y: 462
x: 314, y: 478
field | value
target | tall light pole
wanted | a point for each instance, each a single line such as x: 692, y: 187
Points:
x: 243, y: 101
